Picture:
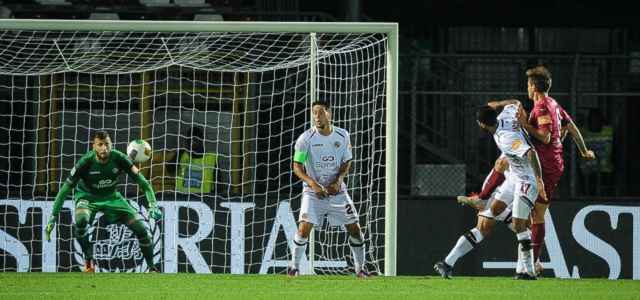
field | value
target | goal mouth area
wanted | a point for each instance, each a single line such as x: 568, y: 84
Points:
x: 249, y: 85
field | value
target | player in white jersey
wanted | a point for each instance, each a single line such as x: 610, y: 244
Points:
x: 525, y: 167
x: 322, y: 160
x: 494, y: 203
x: 496, y: 208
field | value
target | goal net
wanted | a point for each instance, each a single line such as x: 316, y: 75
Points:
x: 240, y: 97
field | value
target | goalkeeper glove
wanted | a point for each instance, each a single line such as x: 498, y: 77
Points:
x: 155, y: 213
x: 50, y: 225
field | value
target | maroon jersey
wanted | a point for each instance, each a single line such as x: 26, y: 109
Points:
x: 548, y: 114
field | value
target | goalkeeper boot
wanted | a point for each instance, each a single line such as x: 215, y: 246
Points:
x: 443, y: 269
x: 89, y: 266
x: 154, y: 269
x: 293, y: 272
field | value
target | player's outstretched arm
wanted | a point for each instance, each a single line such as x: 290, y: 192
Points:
x: 497, y: 104
x: 564, y: 130
x: 320, y: 190
x: 66, y: 188
x: 154, y: 211
x: 57, y: 206
x: 579, y: 141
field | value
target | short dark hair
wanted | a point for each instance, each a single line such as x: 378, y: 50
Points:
x: 541, y: 78
x: 101, y: 134
x: 487, y: 115
x: 324, y: 103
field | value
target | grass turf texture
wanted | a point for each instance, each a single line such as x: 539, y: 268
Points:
x: 207, y: 286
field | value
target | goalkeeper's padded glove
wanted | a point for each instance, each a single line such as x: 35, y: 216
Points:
x: 50, y: 225
x: 155, y: 213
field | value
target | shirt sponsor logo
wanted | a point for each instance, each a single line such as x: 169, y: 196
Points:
x: 104, y: 184
x: 326, y: 162
x: 516, y: 144
x: 94, y: 173
x: 318, y: 145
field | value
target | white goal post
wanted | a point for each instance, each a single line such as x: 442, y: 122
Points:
x: 241, y: 66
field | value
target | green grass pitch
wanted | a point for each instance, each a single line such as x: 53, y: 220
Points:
x: 207, y: 286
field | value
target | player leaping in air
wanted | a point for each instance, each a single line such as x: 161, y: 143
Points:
x: 322, y: 160
x: 95, y: 178
x: 496, y: 176
x: 525, y: 170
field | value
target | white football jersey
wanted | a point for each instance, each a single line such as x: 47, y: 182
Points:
x: 324, y: 155
x: 513, y: 143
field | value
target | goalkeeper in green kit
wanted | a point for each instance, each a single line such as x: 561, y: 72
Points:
x: 95, y: 177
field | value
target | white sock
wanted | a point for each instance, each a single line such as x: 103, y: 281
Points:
x: 357, y: 249
x: 299, y: 248
x: 465, y: 243
x: 477, y: 235
x: 526, y: 256
x: 519, y: 265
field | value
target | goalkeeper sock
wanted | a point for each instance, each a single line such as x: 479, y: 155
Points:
x: 81, y: 229
x: 465, y: 243
x: 357, y: 249
x: 144, y: 241
x: 300, y: 246
x: 146, y: 247
x: 87, y: 247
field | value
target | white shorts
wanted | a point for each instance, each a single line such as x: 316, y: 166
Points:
x: 339, y: 209
x: 504, y: 193
x: 524, y: 196
x: 502, y: 217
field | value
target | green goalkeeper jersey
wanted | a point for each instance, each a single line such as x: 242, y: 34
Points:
x: 97, y: 181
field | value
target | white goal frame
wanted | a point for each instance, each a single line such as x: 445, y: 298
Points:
x: 389, y: 29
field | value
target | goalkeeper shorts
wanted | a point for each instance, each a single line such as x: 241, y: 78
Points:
x: 115, y: 210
